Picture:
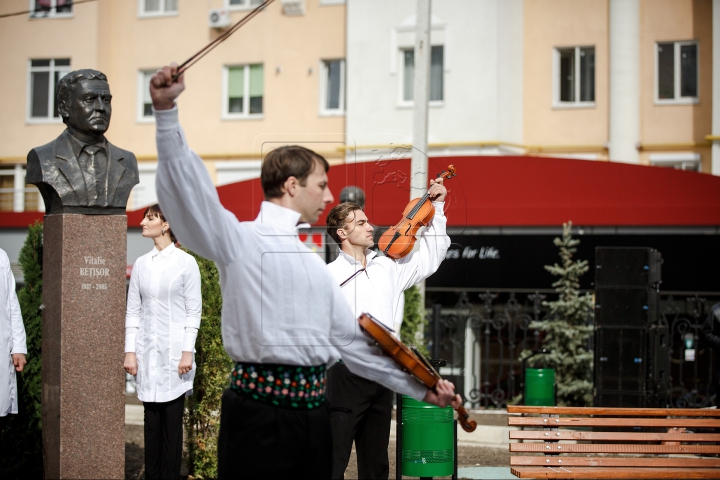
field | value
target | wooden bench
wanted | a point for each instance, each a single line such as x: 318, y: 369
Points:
x: 615, y: 442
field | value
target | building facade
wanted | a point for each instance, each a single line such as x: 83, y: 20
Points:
x: 278, y: 80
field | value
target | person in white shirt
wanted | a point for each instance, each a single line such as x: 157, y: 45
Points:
x: 163, y: 316
x: 284, y: 318
x: 13, y: 346
x: 360, y: 409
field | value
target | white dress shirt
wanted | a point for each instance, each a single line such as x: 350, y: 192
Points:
x: 163, y: 316
x: 12, y: 337
x: 379, y: 289
x: 280, y: 305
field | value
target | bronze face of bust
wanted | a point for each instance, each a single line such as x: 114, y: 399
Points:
x: 80, y: 171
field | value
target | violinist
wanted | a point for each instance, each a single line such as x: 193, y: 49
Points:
x: 284, y: 319
x: 360, y: 409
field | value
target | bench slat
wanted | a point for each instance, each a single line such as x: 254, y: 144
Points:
x: 613, y: 448
x: 611, y: 422
x: 619, y: 412
x: 657, y: 462
x: 613, y: 436
x: 584, y: 472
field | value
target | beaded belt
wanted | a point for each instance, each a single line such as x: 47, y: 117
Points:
x: 282, y: 385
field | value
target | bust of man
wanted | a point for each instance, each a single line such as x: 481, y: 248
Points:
x: 80, y: 171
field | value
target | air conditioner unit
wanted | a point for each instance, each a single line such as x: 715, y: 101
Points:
x: 219, y: 18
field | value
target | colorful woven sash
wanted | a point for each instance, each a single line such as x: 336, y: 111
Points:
x: 289, y: 386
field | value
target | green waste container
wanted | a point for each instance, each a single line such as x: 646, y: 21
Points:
x: 540, y: 387
x: 428, y: 439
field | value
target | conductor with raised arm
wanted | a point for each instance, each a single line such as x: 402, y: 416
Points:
x: 284, y: 318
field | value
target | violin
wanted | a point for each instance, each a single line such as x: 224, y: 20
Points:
x: 398, y: 241
x: 411, y: 360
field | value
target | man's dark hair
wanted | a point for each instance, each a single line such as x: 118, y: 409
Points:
x: 66, y: 84
x: 288, y: 161
x: 337, y: 218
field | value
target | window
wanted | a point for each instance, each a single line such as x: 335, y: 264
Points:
x: 144, y: 101
x: 679, y: 161
x: 51, y: 8
x: 575, y: 76
x: 677, y: 72
x: 151, y: 8
x: 244, y: 91
x: 436, y: 74
x: 332, y: 87
x: 44, y: 76
x: 237, y: 4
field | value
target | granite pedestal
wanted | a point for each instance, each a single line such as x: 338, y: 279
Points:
x: 83, y: 410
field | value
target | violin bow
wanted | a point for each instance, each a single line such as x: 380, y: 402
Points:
x: 221, y: 38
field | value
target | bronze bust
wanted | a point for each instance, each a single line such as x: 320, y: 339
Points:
x: 80, y: 171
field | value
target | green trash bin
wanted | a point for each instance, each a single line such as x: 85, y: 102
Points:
x: 428, y: 439
x: 540, y: 387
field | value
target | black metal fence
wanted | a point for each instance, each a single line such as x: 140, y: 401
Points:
x: 482, y: 333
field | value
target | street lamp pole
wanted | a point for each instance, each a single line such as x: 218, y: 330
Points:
x: 421, y: 96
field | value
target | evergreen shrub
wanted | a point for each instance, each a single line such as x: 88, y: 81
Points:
x: 21, y: 435
x: 202, y: 413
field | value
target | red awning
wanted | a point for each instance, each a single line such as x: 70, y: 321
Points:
x: 510, y: 191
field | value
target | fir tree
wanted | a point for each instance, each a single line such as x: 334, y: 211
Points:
x: 566, y: 329
x: 21, y: 436
x: 202, y: 414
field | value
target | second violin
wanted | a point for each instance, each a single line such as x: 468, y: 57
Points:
x: 399, y: 240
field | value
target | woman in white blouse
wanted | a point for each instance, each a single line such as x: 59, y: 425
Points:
x: 163, y: 317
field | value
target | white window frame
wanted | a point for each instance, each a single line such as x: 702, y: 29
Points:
x: 51, y: 97
x: 162, y: 12
x: 141, y: 88
x: 330, y: 112
x: 244, y: 115
x: 246, y: 5
x: 678, y: 100
x: 402, y: 103
x: 332, y: 2
x: 52, y: 13
x: 679, y: 161
x: 557, y: 103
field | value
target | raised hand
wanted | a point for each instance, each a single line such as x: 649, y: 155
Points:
x: 437, y: 190
x: 163, y: 90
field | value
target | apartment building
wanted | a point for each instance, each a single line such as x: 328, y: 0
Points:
x: 279, y: 79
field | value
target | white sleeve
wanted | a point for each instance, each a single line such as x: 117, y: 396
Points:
x: 193, y: 305
x: 423, y: 262
x: 19, y: 342
x: 188, y: 197
x: 365, y: 359
x: 133, y: 314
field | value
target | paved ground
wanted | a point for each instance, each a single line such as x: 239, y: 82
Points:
x: 481, y: 455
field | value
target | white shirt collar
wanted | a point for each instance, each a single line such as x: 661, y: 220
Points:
x: 272, y: 214
x: 164, y: 253
x: 369, y: 255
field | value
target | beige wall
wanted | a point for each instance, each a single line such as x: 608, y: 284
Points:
x: 23, y: 39
x: 127, y: 43
x: 662, y: 126
x: 563, y: 23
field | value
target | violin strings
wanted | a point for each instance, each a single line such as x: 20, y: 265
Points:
x: 224, y: 36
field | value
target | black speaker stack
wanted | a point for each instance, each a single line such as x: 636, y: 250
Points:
x: 631, y: 348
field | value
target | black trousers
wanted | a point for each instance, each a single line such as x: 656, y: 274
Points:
x: 163, y: 438
x: 258, y: 440
x: 360, y: 411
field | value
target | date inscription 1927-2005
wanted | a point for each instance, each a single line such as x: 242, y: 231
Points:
x: 94, y: 269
